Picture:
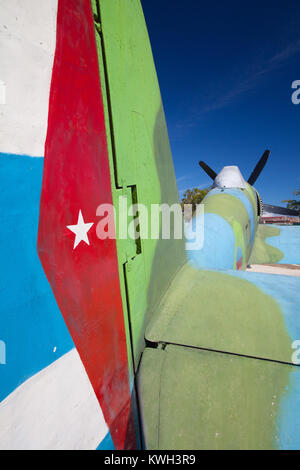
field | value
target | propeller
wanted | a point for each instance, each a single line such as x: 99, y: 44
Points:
x: 252, y: 179
x: 280, y: 210
x: 211, y: 173
x: 259, y: 167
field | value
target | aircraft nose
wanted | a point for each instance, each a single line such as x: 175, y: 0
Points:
x: 230, y: 177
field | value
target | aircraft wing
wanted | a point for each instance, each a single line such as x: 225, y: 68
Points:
x: 276, y: 244
x: 219, y: 371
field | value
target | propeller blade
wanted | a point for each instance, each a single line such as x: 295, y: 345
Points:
x: 259, y: 167
x: 280, y: 210
x: 211, y: 173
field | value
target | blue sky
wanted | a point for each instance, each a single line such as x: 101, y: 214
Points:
x: 225, y: 71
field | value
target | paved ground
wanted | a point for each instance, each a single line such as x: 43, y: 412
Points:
x: 283, y: 269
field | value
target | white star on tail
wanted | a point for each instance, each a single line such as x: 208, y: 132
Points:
x: 80, y: 230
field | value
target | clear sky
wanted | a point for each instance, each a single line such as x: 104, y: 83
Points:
x: 225, y: 71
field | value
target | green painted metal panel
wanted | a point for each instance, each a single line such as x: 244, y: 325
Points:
x: 262, y: 252
x: 140, y: 155
x: 193, y: 399
x: 235, y: 213
x: 214, y: 310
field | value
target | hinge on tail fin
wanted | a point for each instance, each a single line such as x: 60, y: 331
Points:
x: 96, y: 15
x: 97, y: 23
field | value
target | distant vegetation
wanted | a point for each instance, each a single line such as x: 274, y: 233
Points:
x: 293, y: 203
x: 194, y: 197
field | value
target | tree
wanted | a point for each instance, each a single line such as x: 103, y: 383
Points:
x: 293, y: 203
x: 193, y: 196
